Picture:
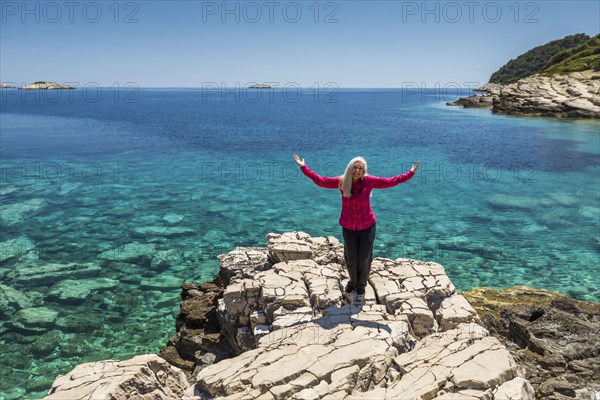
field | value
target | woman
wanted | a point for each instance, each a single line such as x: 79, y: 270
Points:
x: 357, y: 218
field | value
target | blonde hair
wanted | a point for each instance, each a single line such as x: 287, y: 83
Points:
x: 346, y: 181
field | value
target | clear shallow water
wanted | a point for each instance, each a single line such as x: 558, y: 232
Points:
x: 142, y: 196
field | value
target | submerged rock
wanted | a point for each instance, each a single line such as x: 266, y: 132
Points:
x: 508, y: 202
x: 76, y: 291
x: 11, y: 214
x: 47, y: 274
x: 12, y: 299
x: 16, y: 248
x: 134, y: 253
x: 162, y: 283
x: 173, y: 218
x: 164, y: 231
x: 32, y: 320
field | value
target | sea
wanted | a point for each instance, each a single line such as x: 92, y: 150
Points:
x: 111, y: 198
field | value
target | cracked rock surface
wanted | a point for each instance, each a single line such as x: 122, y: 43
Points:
x: 571, y: 95
x: 299, y: 337
x: 553, y: 338
x: 142, y: 377
x: 574, y: 95
x: 276, y: 324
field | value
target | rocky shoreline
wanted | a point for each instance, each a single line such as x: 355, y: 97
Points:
x: 574, y: 95
x: 553, y: 338
x: 274, y: 324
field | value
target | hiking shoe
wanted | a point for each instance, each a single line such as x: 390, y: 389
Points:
x: 349, y: 288
x: 360, y: 295
x: 351, y: 297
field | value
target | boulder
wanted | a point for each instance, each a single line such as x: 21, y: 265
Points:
x: 475, y: 101
x: 142, y: 377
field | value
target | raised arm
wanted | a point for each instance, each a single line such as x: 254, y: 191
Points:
x: 383, y: 183
x: 322, y: 181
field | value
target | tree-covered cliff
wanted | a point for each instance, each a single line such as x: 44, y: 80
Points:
x: 536, y: 59
x: 582, y: 57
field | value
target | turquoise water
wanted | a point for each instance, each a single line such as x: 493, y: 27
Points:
x: 108, y: 206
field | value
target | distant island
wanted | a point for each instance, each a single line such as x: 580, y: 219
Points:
x: 39, y: 85
x: 558, y: 79
x: 260, y: 86
x: 44, y: 85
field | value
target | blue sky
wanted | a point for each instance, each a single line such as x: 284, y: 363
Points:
x: 347, y: 43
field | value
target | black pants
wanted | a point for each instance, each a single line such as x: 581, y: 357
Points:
x: 358, y: 253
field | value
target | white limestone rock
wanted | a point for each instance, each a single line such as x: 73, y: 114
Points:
x: 516, y: 389
x: 576, y: 94
x: 299, y: 246
x: 297, y: 336
x: 414, y: 338
x: 142, y: 377
x: 455, y: 310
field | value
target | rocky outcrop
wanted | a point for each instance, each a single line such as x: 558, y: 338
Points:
x: 490, y: 88
x: 46, y: 86
x: 486, y: 100
x: 276, y: 324
x: 203, y: 336
x: 553, y: 338
x: 573, y: 95
x: 142, y: 377
x: 475, y: 101
x: 7, y: 85
x: 298, y: 336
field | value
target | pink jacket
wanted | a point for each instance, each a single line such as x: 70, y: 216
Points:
x: 357, y: 213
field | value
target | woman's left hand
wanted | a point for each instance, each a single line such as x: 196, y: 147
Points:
x: 415, y: 166
x: 299, y: 161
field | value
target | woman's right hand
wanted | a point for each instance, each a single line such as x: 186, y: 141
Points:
x: 415, y: 166
x: 298, y: 160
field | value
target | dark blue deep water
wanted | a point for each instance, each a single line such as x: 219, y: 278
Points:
x: 108, y: 203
